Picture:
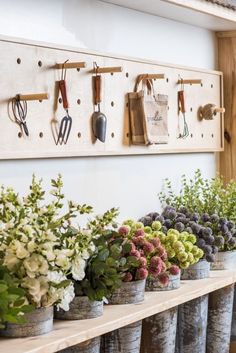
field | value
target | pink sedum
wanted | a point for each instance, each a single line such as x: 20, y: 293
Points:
x: 139, y: 233
x: 128, y: 277
x: 143, y: 261
x: 123, y: 230
x: 141, y: 273
x: 164, y: 279
x: 135, y: 253
x: 156, y: 242
x: 174, y: 270
x: 148, y: 248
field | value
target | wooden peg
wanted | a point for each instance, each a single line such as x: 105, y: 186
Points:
x: 104, y: 70
x: 73, y: 65
x: 189, y: 82
x: 151, y: 76
x: 33, y: 97
x: 219, y: 110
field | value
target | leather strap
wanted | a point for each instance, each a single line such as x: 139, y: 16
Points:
x: 97, y: 87
x: 181, y: 102
x: 62, y: 87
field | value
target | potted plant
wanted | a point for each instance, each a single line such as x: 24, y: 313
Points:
x: 13, y: 302
x: 29, y: 249
x: 93, y: 268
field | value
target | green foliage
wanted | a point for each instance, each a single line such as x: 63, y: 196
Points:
x: 13, y: 303
x: 202, y: 196
x: 102, y: 275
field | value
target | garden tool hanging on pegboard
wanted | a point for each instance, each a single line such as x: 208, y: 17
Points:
x: 183, y: 126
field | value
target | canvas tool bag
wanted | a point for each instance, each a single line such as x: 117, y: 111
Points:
x: 148, y: 115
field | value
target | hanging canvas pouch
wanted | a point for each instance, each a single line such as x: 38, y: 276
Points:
x: 148, y: 115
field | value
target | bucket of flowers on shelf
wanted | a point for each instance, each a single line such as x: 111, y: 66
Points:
x: 93, y: 269
x: 28, y: 252
x: 210, y: 209
x: 181, y: 252
x: 137, y: 255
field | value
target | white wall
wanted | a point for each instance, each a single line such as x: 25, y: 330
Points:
x: 131, y: 182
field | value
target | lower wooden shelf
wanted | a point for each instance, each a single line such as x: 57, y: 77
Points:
x: 69, y: 333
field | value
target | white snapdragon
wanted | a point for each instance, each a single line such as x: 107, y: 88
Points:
x: 20, y: 250
x: 37, y: 288
x: 56, y: 277
x: 35, y: 265
x: 78, y: 268
x: 10, y: 260
x: 67, y: 297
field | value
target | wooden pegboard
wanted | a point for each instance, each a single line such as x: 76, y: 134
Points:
x: 30, y: 68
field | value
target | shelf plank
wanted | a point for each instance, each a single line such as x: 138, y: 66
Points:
x: 69, y: 333
x: 194, y: 12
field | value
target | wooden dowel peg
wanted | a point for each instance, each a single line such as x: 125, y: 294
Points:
x: 104, y: 70
x: 151, y: 76
x: 189, y: 82
x: 219, y: 110
x: 72, y: 65
x: 33, y: 97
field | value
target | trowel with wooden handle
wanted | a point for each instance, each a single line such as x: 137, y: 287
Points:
x: 99, y: 120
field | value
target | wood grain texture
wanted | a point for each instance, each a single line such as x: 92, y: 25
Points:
x: 227, y: 61
x: 124, y: 340
x: 192, y: 326
x: 70, y: 333
x: 219, y: 320
x: 159, y: 332
x: 44, y: 118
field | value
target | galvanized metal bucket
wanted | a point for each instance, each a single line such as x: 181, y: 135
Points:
x: 159, y: 332
x: 225, y: 260
x: 153, y: 284
x: 129, y: 293
x: 197, y: 271
x: 81, y: 308
x: 124, y: 340
x: 39, y: 322
x: 192, y: 326
x: 219, y: 320
x: 91, y: 346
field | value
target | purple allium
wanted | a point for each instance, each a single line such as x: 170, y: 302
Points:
x: 230, y: 225
x: 196, y: 228
x: 141, y: 273
x: 147, y: 221
x: 207, y: 249
x: 219, y: 241
x: 179, y: 226
x: 223, y: 220
x: 174, y: 270
x: 167, y: 223
x: 205, y: 217
x: 224, y: 228
x: 189, y: 230
x: 123, y: 230
x: 183, y: 210
x: 227, y: 236
x: 160, y: 219
x: 128, y: 277
x: 214, y: 249
x: 200, y: 243
x: 210, y: 239
x: 215, y: 218
x: 210, y: 257
x: 195, y: 217
x: 164, y: 229
x: 153, y: 215
x: 232, y: 242
x: 206, y: 231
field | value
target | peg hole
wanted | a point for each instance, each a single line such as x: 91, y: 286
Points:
x: 168, y: 108
x: 40, y: 101
x: 191, y: 135
x: 40, y: 64
x: 167, y: 80
x: 212, y: 85
x: 60, y: 100
x: 112, y: 104
x: 201, y: 84
x: 112, y: 73
x: 41, y: 134
x: 191, y: 109
x: 112, y: 135
x: 19, y: 134
x: 78, y: 101
x: 127, y: 134
x: 212, y: 135
x: 79, y: 135
x: 127, y: 105
x: 202, y: 135
x: 78, y: 69
x: 18, y: 60
x: 127, y: 74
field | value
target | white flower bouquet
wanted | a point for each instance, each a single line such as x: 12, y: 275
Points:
x: 33, y: 248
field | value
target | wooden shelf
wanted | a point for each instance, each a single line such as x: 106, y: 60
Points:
x: 69, y: 333
x: 194, y: 12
